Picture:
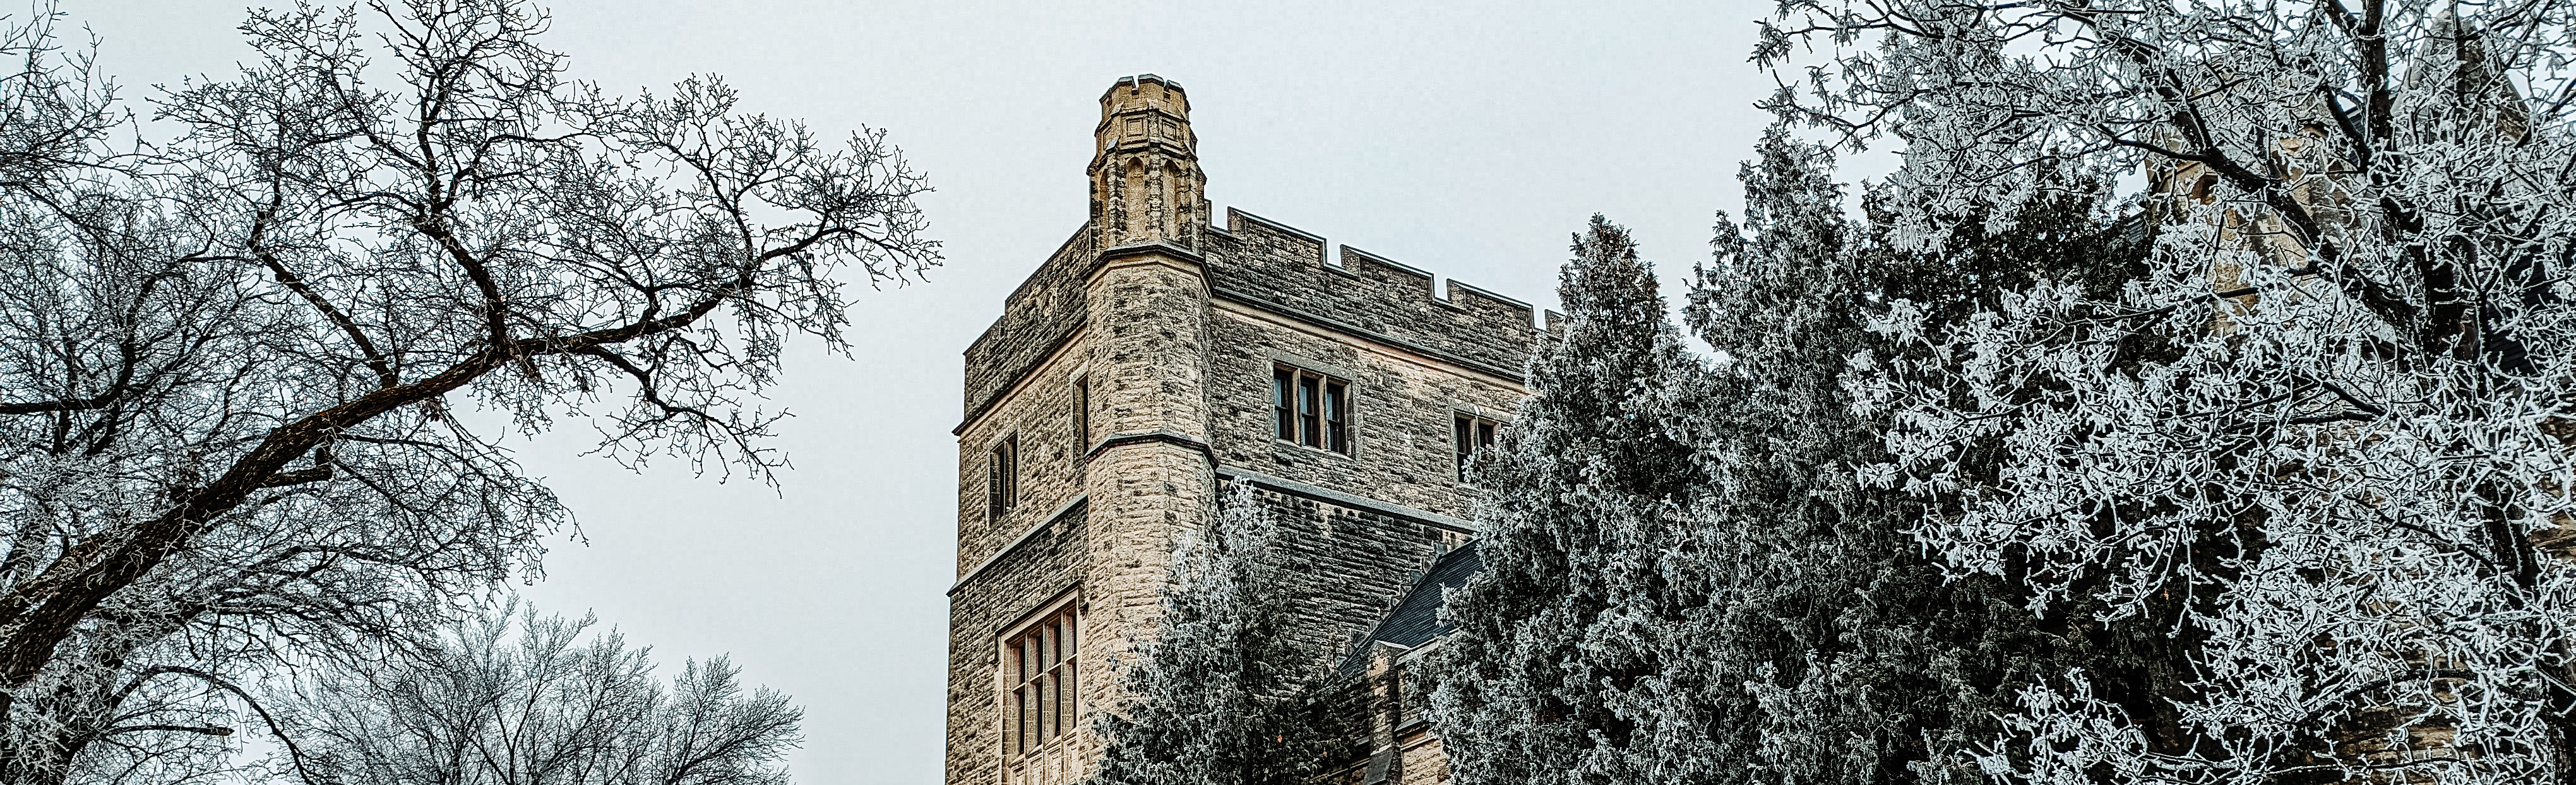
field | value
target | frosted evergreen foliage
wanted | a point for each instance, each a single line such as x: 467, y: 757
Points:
x: 2317, y: 440
x: 1826, y: 648
x: 1684, y: 580
x: 1814, y: 615
x: 1219, y: 696
x: 1553, y: 674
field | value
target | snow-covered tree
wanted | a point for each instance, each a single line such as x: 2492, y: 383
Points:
x: 1554, y: 644
x: 2318, y: 441
x: 1812, y: 641
x: 1692, y: 586
x: 1828, y: 649
x: 508, y: 697
x: 232, y: 358
x: 1221, y: 695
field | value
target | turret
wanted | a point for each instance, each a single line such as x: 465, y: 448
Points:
x: 1148, y: 473
x: 1146, y: 186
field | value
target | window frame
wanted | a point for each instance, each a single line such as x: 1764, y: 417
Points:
x: 1081, y: 415
x: 1471, y: 433
x: 1001, y: 478
x: 1057, y: 654
x: 1311, y: 409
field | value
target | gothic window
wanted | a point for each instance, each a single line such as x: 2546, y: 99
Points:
x: 1311, y: 409
x: 1473, y: 434
x: 1002, y: 478
x: 1041, y: 702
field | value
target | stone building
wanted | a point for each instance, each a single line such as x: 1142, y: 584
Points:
x: 1156, y: 355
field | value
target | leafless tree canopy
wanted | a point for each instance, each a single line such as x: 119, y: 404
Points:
x: 228, y: 359
x: 510, y: 697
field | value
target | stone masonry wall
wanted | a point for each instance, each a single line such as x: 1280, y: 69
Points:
x: 1424, y: 762
x: 1017, y: 581
x: 1031, y: 575
x: 1279, y: 265
x: 1041, y: 416
x: 1403, y: 401
x: 1177, y: 326
x: 1046, y: 308
x: 1420, y: 760
x: 1352, y: 565
x: 1402, y: 409
x: 1382, y: 742
x: 1149, y: 477
x: 1171, y: 366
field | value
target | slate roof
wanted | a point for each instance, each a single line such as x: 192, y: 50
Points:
x: 1416, y: 618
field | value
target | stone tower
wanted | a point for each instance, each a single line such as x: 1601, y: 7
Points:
x: 1145, y: 180
x: 1154, y: 357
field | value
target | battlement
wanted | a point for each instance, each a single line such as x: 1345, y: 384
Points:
x: 1272, y: 265
x: 1276, y: 267
x: 1039, y: 316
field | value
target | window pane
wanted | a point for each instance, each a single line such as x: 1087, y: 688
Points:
x: 1011, y: 723
x: 1336, y: 418
x: 1072, y: 700
x: 1484, y: 435
x: 1010, y: 472
x: 1464, y: 431
x: 1279, y: 384
x: 993, y: 485
x: 1081, y: 415
x: 1029, y: 692
x: 1046, y: 719
x: 1070, y: 637
x: 1046, y: 646
x: 1310, y: 430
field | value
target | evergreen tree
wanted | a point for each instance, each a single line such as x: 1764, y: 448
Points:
x: 1219, y: 698
x: 1814, y: 640
x: 1685, y: 581
x: 1555, y: 642
x: 1862, y: 664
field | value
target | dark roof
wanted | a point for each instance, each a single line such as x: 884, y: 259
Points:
x: 1416, y: 618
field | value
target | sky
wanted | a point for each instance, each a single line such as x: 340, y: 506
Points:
x: 1469, y: 139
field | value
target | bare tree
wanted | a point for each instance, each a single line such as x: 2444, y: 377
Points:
x: 228, y: 359
x: 512, y: 698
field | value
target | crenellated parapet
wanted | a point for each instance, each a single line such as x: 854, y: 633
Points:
x: 1272, y: 265
x: 1036, y: 319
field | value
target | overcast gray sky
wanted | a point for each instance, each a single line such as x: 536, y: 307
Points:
x: 1466, y: 139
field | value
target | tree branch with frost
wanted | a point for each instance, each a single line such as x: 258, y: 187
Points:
x: 227, y: 367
